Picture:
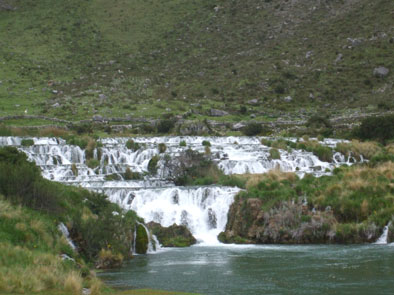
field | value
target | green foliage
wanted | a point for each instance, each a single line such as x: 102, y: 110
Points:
x: 162, y: 148
x: 182, y: 143
x: 252, y: 129
x: 165, y: 126
x: 130, y: 175
x: 93, y: 163
x: 132, y: 145
x: 206, y: 143
x: 93, y: 226
x: 27, y: 142
x: 152, y: 165
x: 274, y: 153
x: 377, y: 128
x: 141, y: 242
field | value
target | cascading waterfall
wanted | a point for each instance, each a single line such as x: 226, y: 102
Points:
x: 153, y: 242
x: 66, y: 234
x: 202, y: 209
x: 383, y: 238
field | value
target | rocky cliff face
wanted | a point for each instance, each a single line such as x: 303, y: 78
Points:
x: 290, y: 223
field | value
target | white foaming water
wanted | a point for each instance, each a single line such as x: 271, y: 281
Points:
x: 383, y: 238
x: 202, y: 209
x: 66, y: 234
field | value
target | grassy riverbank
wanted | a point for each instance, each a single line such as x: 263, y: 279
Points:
x: 350, y: 206
x: 31, y: 245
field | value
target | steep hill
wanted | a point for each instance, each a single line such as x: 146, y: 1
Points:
x: 284, y: 58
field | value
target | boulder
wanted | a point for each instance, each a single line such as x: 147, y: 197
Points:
x: 381, y: 72
x: 253, y: 101
x: 218, y: 113
x: 172, y: 236
x: 193, y: 128
x: 98, y: 118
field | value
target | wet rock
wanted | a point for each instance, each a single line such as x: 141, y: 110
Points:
x: 381, y: 72
x: 172, y: 236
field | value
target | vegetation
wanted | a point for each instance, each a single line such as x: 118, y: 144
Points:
x: 252, y: 129
x: 132, y: 145
x: 359, y: 198
x: 32, y: 208
x: 152, y: 165
x: 162, y: 148
x: 132, y: 75
x: 377, y: 128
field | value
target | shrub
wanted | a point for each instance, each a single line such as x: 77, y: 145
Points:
x: 141, y: 243
x: 74, y: 169
x: 182, y: 143
x: 206, y: 143
x: 130, y: 175
x: 252, y: 129
x: 92, y: 163
x: 73, y: 283
x: 376, y: 128
x: 132, y: 145
x: 27, y: 142
x: 162, y: 148
x: 274, y: 153
x: 152, y: 165
x: 165, y: 126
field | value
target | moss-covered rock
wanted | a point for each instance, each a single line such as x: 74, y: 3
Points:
x: 172, y: 236
x: 142, y: 240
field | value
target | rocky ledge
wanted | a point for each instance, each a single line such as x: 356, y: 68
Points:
x: 172, y: 236
x: 290, y: 223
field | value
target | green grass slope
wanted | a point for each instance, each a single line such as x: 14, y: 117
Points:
x: 76, y: 59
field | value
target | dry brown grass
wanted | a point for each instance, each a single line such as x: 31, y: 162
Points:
x: 53, y: 132
x: 8, y: 211
x: 253, y: 180
x: 73, y: 283
x: 357, y: 148
x: 96, y: 286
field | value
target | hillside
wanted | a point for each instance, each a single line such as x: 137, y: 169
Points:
x: 264, y: 60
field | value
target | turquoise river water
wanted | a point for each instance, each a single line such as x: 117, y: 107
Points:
x: 265, y: 269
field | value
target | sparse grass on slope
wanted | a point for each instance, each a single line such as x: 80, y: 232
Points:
x: 73, y: 59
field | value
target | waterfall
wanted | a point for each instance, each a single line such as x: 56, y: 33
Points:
x: 66, y: 234
x: 383, y: 238
x: 153, y: 243
x: 203, y: 210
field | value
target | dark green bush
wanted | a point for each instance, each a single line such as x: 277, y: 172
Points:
x: 162, y: 148
x: 252, y: 129
x: 182, y: 143
x: 206, y: 143
x: 130, y: 175
x: 152, y: 165
x: 27, y: 142
x: 165, y: 126
x: 376, y: 128
x: 132, y: 145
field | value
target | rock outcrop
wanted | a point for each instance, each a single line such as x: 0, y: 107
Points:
x: 172, y: 236
x: 291, y: 222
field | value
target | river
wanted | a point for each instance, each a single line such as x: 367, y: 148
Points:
x: 265, y: 269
